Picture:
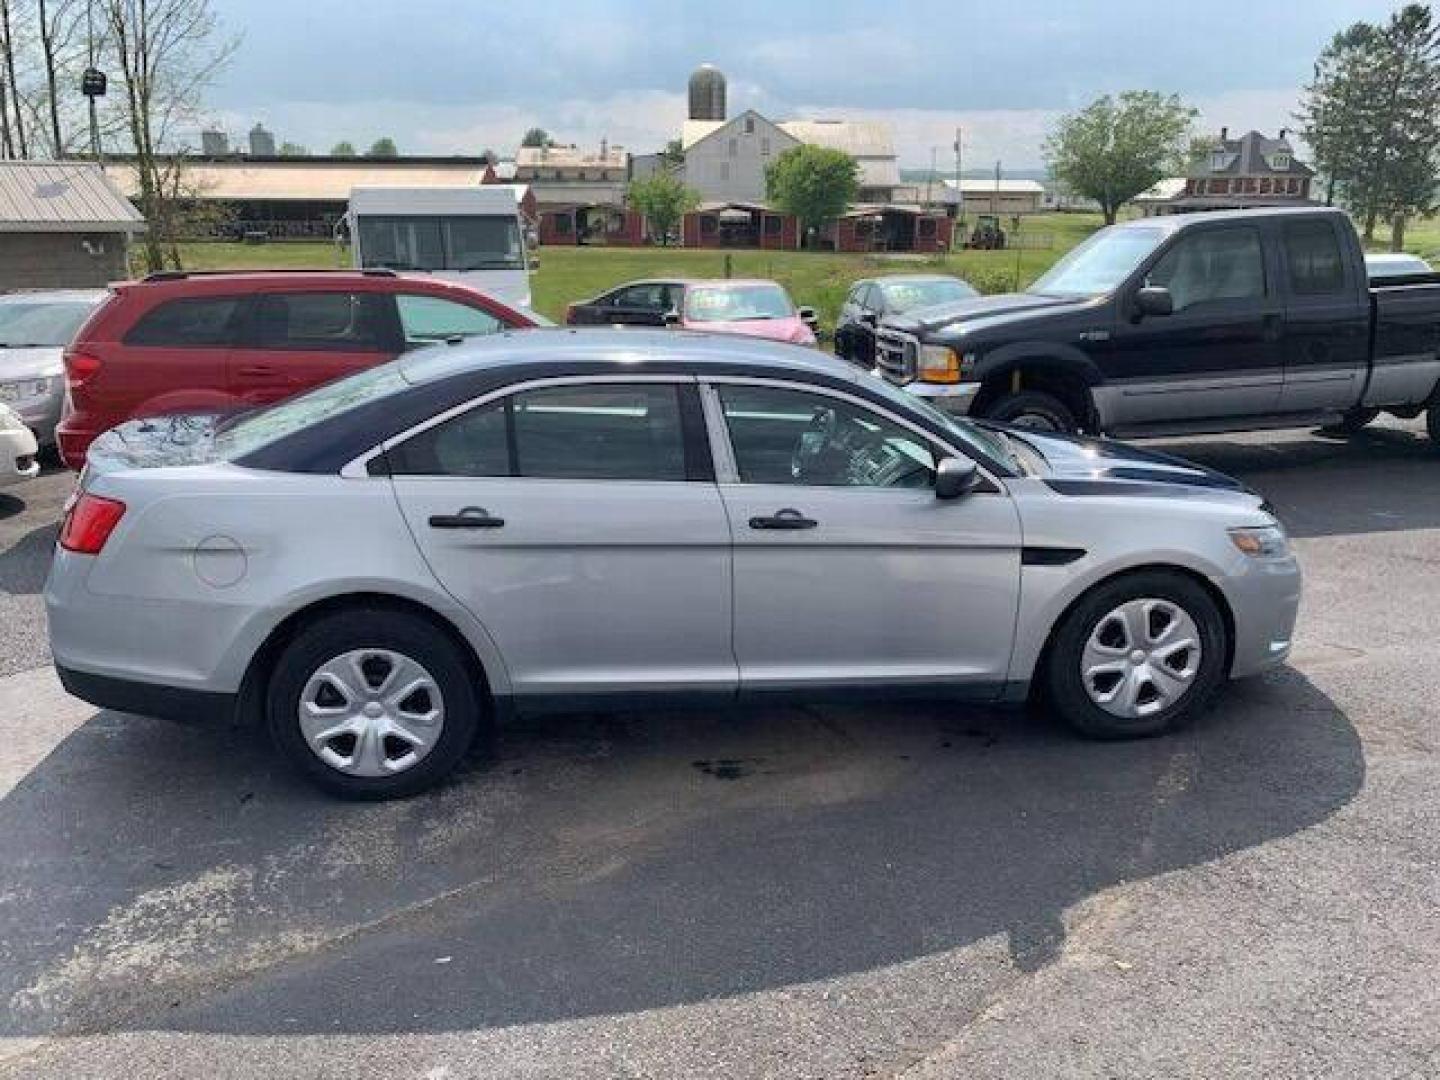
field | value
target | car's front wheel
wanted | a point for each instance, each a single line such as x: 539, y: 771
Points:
x: 1033, y: 409
x: 1138, y: 655
x: 373, y: 703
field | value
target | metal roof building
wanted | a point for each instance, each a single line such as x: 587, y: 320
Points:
x: 63, y: 224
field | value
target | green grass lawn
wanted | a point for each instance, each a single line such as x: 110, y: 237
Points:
x: 817, y: 279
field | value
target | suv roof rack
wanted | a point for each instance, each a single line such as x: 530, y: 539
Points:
x: 181, y: 275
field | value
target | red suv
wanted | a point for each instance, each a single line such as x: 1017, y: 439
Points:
x: 190, y: 342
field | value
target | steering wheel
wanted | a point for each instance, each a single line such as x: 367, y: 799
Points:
x: 814, y: 444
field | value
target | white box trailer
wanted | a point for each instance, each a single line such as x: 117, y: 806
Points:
x: 472, y: 234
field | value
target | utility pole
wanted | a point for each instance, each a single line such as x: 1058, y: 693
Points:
x: 959, y: 191
x: 995, y: 205
x: 92, y: 81
x: 930, y: 179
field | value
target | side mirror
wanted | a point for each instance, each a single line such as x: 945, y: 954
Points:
x: 870, y: 318
x: 670, y: 318
x: 956, y: 477
x: 808, y: 317
x: 1154, y: 300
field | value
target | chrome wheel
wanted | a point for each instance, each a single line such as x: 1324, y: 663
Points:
x: 1141, y: 658
x: 371, y: 712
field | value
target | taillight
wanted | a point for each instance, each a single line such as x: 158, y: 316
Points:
x: 89, y: 524
x: 569, y: 314
x: 80, y: 368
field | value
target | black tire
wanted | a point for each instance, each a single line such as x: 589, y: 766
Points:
x: 1032, y: 408
x: 1432, y: 424
x: 1062, y: 683
x: 1352, y: 422
x: 373, y: 627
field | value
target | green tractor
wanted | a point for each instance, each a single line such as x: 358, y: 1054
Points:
x: 988, y: 236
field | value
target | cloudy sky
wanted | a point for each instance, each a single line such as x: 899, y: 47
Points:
x: 458, y: 77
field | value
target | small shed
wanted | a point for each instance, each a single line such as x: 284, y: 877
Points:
x: 63, y: 225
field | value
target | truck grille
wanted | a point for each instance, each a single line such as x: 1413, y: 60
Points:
x: 895, y: 355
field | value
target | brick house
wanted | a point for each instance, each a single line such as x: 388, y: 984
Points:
x: 1251, y: 171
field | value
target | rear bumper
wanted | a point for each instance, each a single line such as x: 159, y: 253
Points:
x: 147, y: 699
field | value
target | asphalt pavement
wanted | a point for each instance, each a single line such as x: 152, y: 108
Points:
x: 838, y: 891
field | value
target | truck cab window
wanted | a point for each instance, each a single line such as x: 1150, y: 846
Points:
x: 1312, y: 253
x: 1218, y: 264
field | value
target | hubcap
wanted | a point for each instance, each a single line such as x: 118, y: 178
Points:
x: 1035, y: 422
x: 371, y: 712
x: 1141, y: 658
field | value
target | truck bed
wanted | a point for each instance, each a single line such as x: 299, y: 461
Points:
x: 1406, y: 344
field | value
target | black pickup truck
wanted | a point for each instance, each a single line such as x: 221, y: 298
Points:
x: 1193, y: 323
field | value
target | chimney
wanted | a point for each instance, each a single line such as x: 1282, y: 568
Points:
x: 605, y: 147
x: 1224, y: 131
x: 1283, y: 133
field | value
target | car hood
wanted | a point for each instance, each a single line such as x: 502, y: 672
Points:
x: 1079, y: 465
x: 32, y: 362
x: 154, y: 442
x: 769, y: 329
x: 979, y: 310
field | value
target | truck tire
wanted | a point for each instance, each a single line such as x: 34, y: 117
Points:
x: 1033, y: 409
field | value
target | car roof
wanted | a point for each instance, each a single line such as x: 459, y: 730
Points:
x: 898, y: 279
x: 688, y: 282
x: 624, y: 348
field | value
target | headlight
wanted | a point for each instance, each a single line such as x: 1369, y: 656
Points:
x: 937, y: 364
x: 1261, y: 541
x: 9, y: 421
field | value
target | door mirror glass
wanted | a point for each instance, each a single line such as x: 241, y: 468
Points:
x: 869, y: 318
x: 1154, y: 300
x: 808, y: 317
x: 956, y: 477
x: 670, y: 318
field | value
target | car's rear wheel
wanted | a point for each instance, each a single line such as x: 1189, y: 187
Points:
x: 373, y: 703
x: 1033, y: 409
x: 1138, y: 655
x: 1432, y: 423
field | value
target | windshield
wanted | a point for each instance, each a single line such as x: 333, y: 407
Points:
x: 902, y: 296
x: 1100, y: 264
x: 41, y: 322
x: 736, y: 303
x: 441, y: 243
x: 240, y: 435
x: 987, y: 443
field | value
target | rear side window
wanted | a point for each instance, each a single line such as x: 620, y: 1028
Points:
x: 199, y: 322
x: 598, y: 432
x: 1312, y: 252
x: 429, y: 318
x: 323, y: 321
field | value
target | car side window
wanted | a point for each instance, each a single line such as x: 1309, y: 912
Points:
x: 784, y: 436
x: 323, y: 321
x: 1313, y: 257
x: 431, y: 318
x: 195, y: 323
x: 1213, y: 265
x: 644, y: 297
x: 600, y: 431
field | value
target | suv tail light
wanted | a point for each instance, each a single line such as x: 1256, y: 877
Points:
x: 89, y: 524
x: 80, y: 368
x: 569, y: 314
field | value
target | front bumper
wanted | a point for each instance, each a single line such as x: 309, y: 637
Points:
x: 17, y: 456
x: 1264, y: 597
x: 41, y: 415
x: 954, y: 398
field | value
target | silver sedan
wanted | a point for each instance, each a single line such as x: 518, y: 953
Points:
x: 563, y: 519
x: 34, y: 330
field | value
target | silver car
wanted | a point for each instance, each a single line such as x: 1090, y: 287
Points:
x: 34, y: 330
x: 579, y: 519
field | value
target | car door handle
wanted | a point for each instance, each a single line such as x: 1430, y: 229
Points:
x: 257, y: 369
x: 784, y: 519
x: 472, y: 517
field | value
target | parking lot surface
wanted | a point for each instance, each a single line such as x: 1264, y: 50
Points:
x: 837, y: 891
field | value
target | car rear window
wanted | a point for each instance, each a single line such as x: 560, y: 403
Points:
x: 194, y: 322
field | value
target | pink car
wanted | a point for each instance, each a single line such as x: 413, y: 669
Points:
x: 756, y: 308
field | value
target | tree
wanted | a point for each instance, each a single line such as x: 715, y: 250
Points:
x: 1113, y: 149
x: 490, y: 157
x: 9, y: 47
x: 537, y: 136
x: 1370, y: 117
x: 674, y: 153
x: 383, y: 147
x: 813, y: 183
x: 166, y: 52
x: 662, y: 200
x: 291, y: 149
x: 343, y: 148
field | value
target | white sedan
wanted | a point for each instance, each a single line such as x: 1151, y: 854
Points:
x: 17, y: 449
